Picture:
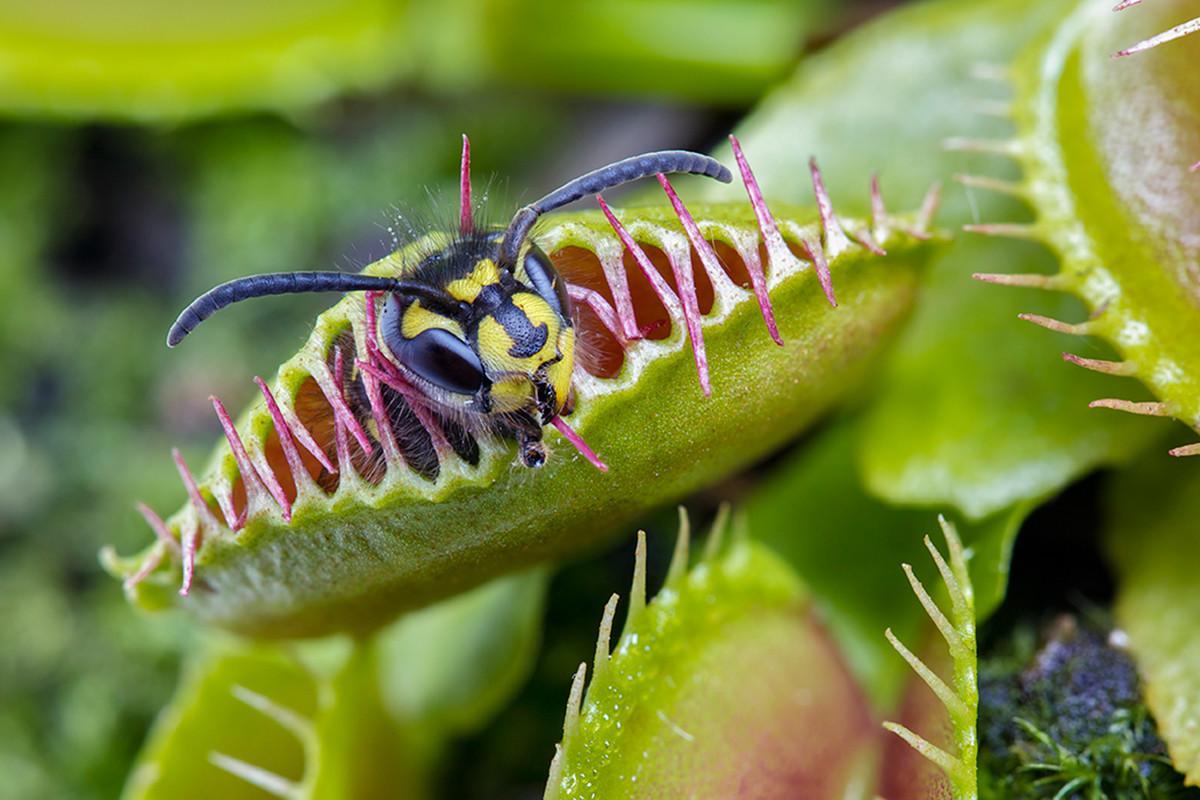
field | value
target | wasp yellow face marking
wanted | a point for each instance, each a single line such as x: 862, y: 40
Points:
x: 512, y: 393
x: 559, y: 373
x: 539, y: 313
x: 417, y: 319
x: 495, y: 347
x: 468, y: 288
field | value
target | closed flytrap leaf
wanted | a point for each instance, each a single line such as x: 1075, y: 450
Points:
x: 342, y: 718
x: 723, y: 685
x: 1104, y: 145
x: 1154, y: 543
x: 706, y: 338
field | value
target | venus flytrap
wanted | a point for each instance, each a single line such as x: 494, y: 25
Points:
x: 1104, y: 146
x: 722, y: 684
x: 317, y: 515
x: 341, y: 717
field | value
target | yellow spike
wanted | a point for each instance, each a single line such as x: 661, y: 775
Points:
x: 950, y: 700
x: 739, y: 527
x: 1179, y: 31
x: 1186, y: 450
x: 957, y: 601
x: 999, y: 147
x: 1075, y: 329
x: 291, y: 721
x: 1098, y: 365
x: 716, y: 534
x: 931, y: 751
x: 574, y: 702
x: 1011, y: 230
x: 1149, y: 409
x: 992, y: 108
x: 958, y: 560
x: 929, y: 207
x: 1011, y: 188
x: 269, y: 782
x: 555, y: 778
x: 939, y: 619
x: 1025, y: 281
x: 604, y: 639
x: 679, y: 560
x: 637, y: 593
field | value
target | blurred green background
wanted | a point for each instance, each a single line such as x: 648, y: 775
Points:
x: 149, y: 150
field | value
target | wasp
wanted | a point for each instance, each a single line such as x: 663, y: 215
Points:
x: 482, y: 329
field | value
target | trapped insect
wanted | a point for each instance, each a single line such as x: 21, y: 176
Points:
x: 479, y: 333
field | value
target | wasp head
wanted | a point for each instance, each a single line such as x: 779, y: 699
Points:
x: 499, y: 349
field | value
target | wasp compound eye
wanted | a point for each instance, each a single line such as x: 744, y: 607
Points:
x: 444, y: 360
x: 546, y: 281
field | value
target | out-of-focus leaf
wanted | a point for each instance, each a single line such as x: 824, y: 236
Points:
x: 724, y: 685
x: 961, y: 415
x: 150, y: 61
x: 153, y: 62
x: 1154, y: 539
x: 848, y: 546
x: 713, y: 50
x: 455, y: 664
x: 340, y: 718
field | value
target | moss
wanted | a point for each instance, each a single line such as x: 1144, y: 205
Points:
x: 1063, y: 717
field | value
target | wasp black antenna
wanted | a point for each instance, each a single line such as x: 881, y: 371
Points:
x: 596, y: 181
x: 274, y: 283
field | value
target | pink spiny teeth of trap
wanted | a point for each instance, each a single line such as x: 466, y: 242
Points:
x: 191, y: 543
x: 391, y: 451
x: 835, y: 238
x: 575, y: 439
x: 657, y: 282
x: 163, y: 534
x: 1178, y: 32
x: 287, y: 436
x: 287, y: 418
x: 466, y: 222
x: 395, y: 380
x: 770, y: 236
x: 600, y: 307
x: 148, y: 566
x: 687, y: 285
x: 383, y: 370
x: 343, y: 418
x: 255, y: 483
x: 878, y: 217
x: 161, y: 531
x: 204, y: 513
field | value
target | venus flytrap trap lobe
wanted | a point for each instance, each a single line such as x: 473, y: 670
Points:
x: 337, y: 718
x: 669, y: 712
x: 345, y: 435
x: 1110, y: 203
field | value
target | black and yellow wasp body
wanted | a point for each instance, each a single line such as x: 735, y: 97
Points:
x: 482, y: 330
x: 500, y: 351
